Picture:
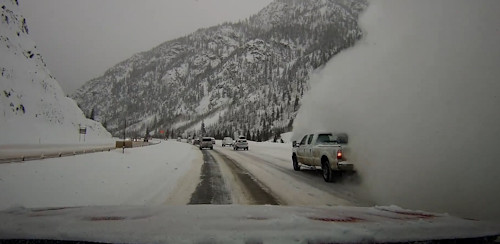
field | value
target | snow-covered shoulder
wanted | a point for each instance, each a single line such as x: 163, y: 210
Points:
x: 105, y: 178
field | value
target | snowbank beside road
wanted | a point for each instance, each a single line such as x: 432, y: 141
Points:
x: 107, y: 178
x: 419, y: 99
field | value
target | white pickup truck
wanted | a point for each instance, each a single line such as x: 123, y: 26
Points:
x: 327, y: 150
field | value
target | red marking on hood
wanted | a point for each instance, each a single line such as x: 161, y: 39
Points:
x: 257, y: 218
x: 106, y: 218
x: 345, y: 219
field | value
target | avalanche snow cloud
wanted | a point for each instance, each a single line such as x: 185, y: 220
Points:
x: 419, y: 97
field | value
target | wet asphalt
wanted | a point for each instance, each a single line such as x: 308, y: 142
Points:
x: 212, y: 188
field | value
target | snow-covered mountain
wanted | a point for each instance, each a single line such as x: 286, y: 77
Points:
x: 33, y: 107
x: 246, y: 77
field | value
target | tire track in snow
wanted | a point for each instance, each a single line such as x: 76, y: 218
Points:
x: 313, y: 178
x: 257, y: 193
x: 212, y: 188
x: 298, y: 188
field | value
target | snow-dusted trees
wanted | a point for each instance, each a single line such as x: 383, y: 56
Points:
x: 203, y: 130
x: 254, y: 70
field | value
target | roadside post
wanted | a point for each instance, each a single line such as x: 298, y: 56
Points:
x: 82, y: 131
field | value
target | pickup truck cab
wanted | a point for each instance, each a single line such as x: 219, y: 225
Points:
x: 326, y: 150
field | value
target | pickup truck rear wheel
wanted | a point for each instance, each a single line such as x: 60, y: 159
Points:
x: 295, y: 162
x: 327, y: 171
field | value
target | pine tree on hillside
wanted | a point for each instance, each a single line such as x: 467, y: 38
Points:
x: 147, y: 133
x: 92, y: 114
x: 203, y: 130
x: 296, y: 104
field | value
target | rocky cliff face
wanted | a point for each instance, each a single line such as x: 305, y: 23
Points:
x: 33, y: 107
x: 246, y: 77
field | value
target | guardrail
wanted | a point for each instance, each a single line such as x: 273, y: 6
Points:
x: 132, y: 144
x: 40, y: 156
x: 30, y: 156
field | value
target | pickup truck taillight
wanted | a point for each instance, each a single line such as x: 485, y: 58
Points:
x: 339, y: 154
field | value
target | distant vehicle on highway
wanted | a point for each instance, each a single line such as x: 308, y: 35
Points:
x: 178, y: 139
x: 196, y: 141
x: 326, y: 150
x: 240, y: 143
x: 213, y: 140
x: 227, y: 141
x: 206, y: 142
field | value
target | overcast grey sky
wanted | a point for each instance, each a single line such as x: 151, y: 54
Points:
x: 80, y: 39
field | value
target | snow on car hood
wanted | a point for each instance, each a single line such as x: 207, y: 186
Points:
x: 237, y: 224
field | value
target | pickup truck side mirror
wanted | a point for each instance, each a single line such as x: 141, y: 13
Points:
x: 294, y: 144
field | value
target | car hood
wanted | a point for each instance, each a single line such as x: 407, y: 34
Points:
x: 237, y: 224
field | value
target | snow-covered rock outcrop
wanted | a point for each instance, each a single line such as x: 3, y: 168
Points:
x: 33, y: 107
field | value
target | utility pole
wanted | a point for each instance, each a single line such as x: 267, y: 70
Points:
x: 125, y: 116
x: 124, y: 129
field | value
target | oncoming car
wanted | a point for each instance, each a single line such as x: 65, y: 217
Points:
x: 196, y: 141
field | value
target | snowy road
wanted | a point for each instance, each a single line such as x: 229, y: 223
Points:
x: 211, y: 189
x: 173, y: 173
x: 264, y: 175
x: 218, y: 186
x: 268, y: 165
x: 125, y: 192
